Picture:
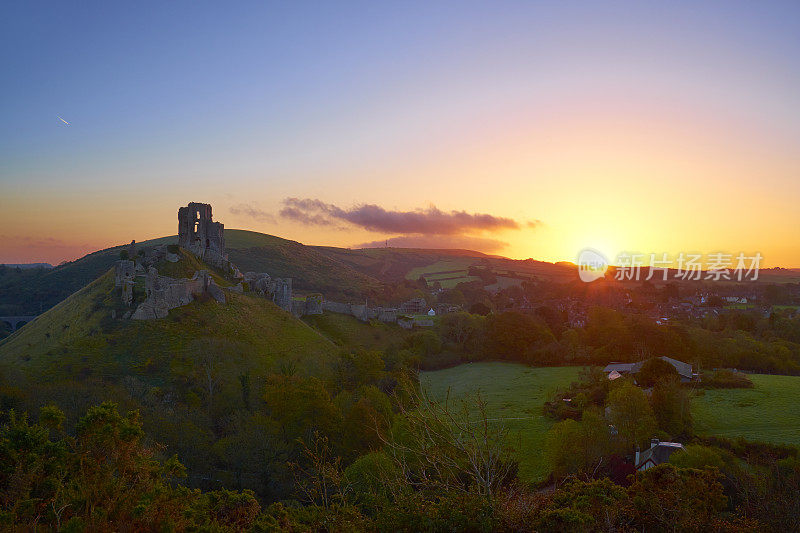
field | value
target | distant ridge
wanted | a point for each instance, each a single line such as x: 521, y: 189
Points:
x: 25, y: 266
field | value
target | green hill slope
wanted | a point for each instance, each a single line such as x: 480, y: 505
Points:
x: 309, y: 269
x: 27, y: 292
x: 194, y: 376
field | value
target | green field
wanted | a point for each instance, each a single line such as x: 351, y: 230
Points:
x: 445, y: 265
x: 769, y: 412
x: 448, y: 272
x: 514, y: 395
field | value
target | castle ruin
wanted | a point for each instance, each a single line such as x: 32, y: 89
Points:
x: 204, y: 238
x: 199, y: 234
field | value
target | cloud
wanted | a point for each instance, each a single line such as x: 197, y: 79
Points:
x: 444, y: 242
x: 430, y: 221
x: 249, y: 210
x: 533, y: 224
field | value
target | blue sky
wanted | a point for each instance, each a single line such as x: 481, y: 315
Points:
x: 381, y: 103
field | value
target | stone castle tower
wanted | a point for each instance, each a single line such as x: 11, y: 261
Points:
x: 198, y: 233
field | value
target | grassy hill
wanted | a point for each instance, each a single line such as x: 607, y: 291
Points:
x: 347, y: 331
x: 310, y: 270
x: 204, y: 363
x: 515, y: 395
x: 26, y: 292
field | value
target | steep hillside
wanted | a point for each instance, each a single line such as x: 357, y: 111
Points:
x: 189, y: 374
x: 79, y: 338
x: 27, y: 292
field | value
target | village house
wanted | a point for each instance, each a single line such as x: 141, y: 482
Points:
x: 658, y: 453
x: 615, y: 370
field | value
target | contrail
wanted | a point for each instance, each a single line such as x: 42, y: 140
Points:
x: 62, y: 120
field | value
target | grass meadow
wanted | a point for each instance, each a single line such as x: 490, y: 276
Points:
x: 769, y: 412
x: 514, y: 395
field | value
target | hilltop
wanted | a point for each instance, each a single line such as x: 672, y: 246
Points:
x: 338, y: 273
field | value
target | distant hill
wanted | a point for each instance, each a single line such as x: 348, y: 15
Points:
x: 337, y: 273
x: 30, y: 291
x: 25, y: 266
x: 450, y: 267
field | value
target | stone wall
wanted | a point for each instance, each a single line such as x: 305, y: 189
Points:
x: 165, y: 293
x: 277, y: 289
x: 124, y: 279
x: 362, y: 311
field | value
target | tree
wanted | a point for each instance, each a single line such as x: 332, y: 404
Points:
x: 424, y: 343
x: 449, y: 446
x: 300, y: 405
x: 670, y: 404
x: 578, y: 447
x: 512, y: 335
x: 655, y: 370
x: 462, y: 330
x: 479, y: 308
x: 105, y: 478
x: 631, y: 414
x: 596, y: 505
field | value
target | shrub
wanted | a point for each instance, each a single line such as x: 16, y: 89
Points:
x: 655, y: 370
x: 726, y: 379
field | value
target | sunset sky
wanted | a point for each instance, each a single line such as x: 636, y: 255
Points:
x: 526, y: 129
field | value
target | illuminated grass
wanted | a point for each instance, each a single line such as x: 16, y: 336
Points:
x: 768, y: 412
x: 514, y: 395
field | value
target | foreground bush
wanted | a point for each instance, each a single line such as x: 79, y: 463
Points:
x: 103, y: 478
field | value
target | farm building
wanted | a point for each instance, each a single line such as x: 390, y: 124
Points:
x: 684, y: 369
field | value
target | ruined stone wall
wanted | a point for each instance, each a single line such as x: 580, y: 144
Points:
x: 386, y: 314
x: 336, y: 307
x: 278, y: 289
x: 165, y: 293
x: 124, y: 270
x: 361, y: 311
x: 313, y: 305
x: 124, y: 274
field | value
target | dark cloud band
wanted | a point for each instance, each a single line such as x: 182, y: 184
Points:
x: 430, y: 221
